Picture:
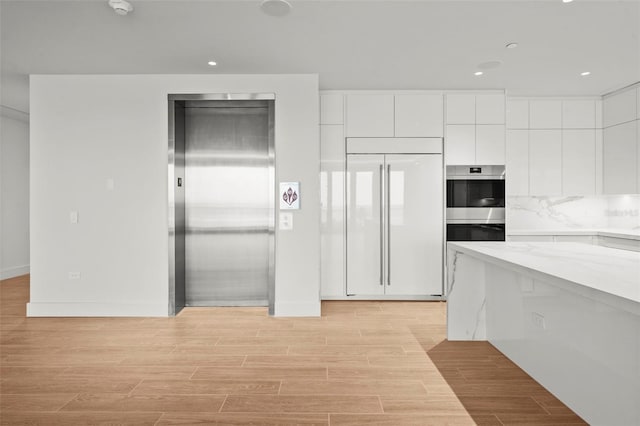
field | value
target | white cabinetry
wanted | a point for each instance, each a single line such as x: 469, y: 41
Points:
x: 554, y: 147
x: 545, y: 114
x: 399, y: 115
x: 620, y: 108
x: 461, y: 144
x: 461, y: 109
x: 490, y: 109
x: 418, y: 115
x: 370, y: 115
x: 332, y: 259
x: 475, y: 132
x: 517, y: 160
x: 621, y: 142
x: 579, y: 114
x: 490, y: 144
x: 545, y: 165
x: 332, y: 108
x: 621, y: 159
x: 578, y: 162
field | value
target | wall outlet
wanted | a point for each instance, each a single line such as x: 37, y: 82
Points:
x: 74, y: 275
x: 73, y: 217
x: 538, y: 320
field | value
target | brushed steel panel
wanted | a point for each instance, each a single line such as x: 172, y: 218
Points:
x: 229, y: 213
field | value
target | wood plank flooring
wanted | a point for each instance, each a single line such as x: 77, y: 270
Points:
x: 373, y: 363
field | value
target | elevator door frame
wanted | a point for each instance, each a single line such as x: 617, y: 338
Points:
x: 175, y: 193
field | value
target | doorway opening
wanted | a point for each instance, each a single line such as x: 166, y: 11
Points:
x: 221, y: 201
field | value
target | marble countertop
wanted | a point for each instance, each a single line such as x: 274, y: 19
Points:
x: 631, y: 234
x: 592, y: 268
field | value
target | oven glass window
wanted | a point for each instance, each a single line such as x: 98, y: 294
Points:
x: 475, y: 232
x: 475, y: 193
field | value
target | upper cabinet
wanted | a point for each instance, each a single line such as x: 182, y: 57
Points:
x: 620, y: 108
x: 418, y: 115
x: 331, y: 108
x: 554, y: 146
x: 370, y: 115
x: 394, y: 115
x: 475, y: 131
x: 621, y: 142
x: 545, y: 114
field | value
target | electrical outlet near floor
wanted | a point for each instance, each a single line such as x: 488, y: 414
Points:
x: 538, y: 320
x: 74, y: 275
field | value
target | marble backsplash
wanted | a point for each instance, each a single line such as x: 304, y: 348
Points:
x: 576, y: 212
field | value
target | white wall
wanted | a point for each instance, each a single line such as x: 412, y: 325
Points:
x: 14, y: 193
x: 87, y: 129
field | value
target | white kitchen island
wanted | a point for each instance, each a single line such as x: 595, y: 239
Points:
x: 566, y: 313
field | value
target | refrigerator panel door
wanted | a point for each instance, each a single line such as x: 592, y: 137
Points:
x: 415, y: 216
x: 365, y: 212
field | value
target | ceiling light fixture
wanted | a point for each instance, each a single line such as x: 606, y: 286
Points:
x: 478, y: 73
x: 511, y: 45
x: 567, y: 1
x: 121, y: 7
x: 489, y: 65
x: 586, y: 73
x: 275, y: 7
x: 212, y: 63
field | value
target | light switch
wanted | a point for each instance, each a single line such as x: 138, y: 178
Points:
x: 73, y: 217
x: 286, y: 221
x: 110, y: 184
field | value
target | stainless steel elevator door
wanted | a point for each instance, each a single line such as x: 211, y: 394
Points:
x: 227, y: 209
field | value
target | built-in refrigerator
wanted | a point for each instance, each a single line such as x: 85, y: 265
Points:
x: 394, y: 192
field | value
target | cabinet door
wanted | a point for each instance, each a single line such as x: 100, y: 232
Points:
x: 620, y: 159
x: 578, y: 114
x: 517, y: 167
x: 415, y: 225
x: 490, y: 109
x: 365, y: 212
x: 578, y: 162
x: 545, y: 114
x: 331, y: 108
x: 461, y: 109
x: 418, y: 115
x: 460, y: 144
x: 620, y: 108
x: 370, y: 116
x: 518, y: 114
x: 545, y: 166
x: 332, y: 259
x: 490, y: 144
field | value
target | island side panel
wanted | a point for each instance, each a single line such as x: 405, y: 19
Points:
x: 584, y: 351
x: 465, y: 297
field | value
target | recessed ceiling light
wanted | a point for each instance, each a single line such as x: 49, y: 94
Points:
x: 275, y: 7
x: 586, y: 73
x: 478, y: 73
x: 511, y: 45
x: 567, y: 1
x: 212, y: 63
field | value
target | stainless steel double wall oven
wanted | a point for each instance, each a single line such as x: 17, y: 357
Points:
x: 475, y: 203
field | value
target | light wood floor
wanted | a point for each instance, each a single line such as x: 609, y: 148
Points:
x: 372, y: 363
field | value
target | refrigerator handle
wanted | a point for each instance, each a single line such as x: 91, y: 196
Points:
x: 388, y: 202
x: 381, y: 224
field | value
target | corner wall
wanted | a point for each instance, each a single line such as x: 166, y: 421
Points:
x: 99, y: 148
x: 14, y: 193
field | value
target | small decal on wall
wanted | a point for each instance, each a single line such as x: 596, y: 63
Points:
x: 289, y: 195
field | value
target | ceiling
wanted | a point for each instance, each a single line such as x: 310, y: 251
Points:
x: 364, y: 44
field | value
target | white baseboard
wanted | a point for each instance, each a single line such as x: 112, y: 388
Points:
x: 297, y: 309
x: 15, y: 271
x: 96, y: 310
